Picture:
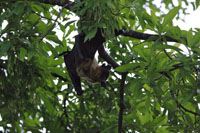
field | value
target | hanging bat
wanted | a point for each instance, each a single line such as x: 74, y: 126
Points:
x: 81, y: 63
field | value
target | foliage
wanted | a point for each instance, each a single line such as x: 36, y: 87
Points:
x: 162, y: 90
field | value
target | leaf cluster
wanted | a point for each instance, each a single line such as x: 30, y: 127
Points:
x: 161, y: 89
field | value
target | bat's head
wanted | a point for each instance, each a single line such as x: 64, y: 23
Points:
x: 105, y: 72
x: 108, y: 67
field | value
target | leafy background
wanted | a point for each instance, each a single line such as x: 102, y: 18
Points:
x: 161, y: 91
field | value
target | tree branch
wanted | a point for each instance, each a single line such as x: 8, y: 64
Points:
x: 69, y: 4
x: 2, y: 64
x: 131, y: 33
x: 58, y: 76
x: 187, y: 110
x: 121, y: 102
x: 45, y: 17
x: 145, y: 36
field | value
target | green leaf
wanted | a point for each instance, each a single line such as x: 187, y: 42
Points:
x: 22, y: 54
x: 170, y: 16
x: 71, y: 29
x: 64, y: 27
x: 29, y: 122
x: 196, y: 50
x: 69, y: 23
x: 51, y: 48
x: 162, y: 47
x: 195, y: 40
x: 154, y: 18
x: 36, y: 7
x: 46, y: 95
x: 127, y: 67
x: 43, y: 52
x: 57, y: 71
x: 33, y: 17
x: 53, y: 62
x: 42, y: 27
x: 162, y: 129
x: 189, y: 119
x: 158, y: 121
x: 197, y: 3
x: 31, y: 53
x: 4, y: 47
x: 91, y: 34
x: 19, y: 8
x: 54, y: 38
x: 147, y: 87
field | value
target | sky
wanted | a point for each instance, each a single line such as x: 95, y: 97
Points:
x: 191, y: 21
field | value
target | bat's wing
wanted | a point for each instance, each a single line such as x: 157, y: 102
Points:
x: 81, y: 51
x: 71, y: 68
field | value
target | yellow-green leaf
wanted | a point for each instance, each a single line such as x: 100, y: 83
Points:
x: 170, y: 16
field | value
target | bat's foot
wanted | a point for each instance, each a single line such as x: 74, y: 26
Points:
x: 79, y: 92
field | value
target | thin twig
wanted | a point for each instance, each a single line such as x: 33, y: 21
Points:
x: 187, y: 110
x: 167, y: 54
x: 58, y: 76
x: 177, y: 102
x: 45, y: 17
x: 50, y: 29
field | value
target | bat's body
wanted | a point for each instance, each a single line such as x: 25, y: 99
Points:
x: 80, y: 62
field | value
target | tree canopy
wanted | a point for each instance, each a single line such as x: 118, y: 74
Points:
x: 154, y: 85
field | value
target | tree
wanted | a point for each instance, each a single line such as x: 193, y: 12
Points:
x: 154, y: 85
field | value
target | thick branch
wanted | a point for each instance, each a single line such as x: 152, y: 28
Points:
x: 121, y: 102
x: 69, y: 4
x: 2, y: 64
x: 144, y: 36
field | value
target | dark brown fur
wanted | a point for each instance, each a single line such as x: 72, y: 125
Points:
x: 80, y: 62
